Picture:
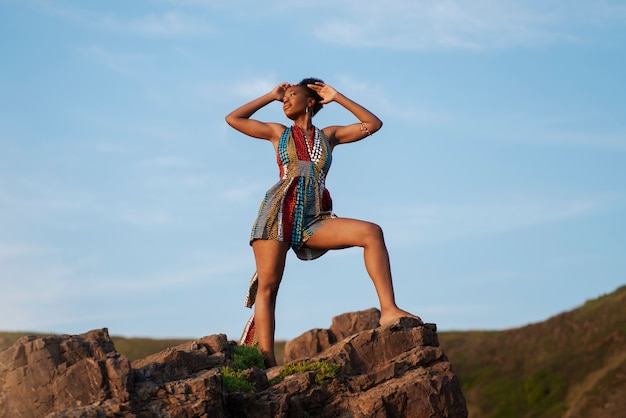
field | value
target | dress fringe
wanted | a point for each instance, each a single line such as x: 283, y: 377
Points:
x: 249, y: 337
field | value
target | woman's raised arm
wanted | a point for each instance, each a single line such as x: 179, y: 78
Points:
x: 240, y: 117
x: 368, y: 122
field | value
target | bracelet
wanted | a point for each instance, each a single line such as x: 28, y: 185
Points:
x: 364, y: 129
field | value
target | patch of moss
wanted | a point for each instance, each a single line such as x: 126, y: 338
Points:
x: 245, y: 357
x: 236, y: 381
x: 324, y: 369
x: 234, y: 378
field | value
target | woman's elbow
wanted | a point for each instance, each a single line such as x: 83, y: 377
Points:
x: 376, y: 125
x: 229, y: 119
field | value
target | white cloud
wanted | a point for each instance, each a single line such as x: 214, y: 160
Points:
x: 254, y: 87
x: 47, y: 293
x: 167, y: 24
x: 39, y: 198
x: 124, y: 63
x: 435, y: 224
x: 411, y: 24
x: 146, y: 217
x: 35, y: 289
x: 396, y: 24
x: 589, y: 129
x: 244, y: 193
x: 166, y: 161
x: 14, y: 250
x: 518, y: 131
x: 609, y: 141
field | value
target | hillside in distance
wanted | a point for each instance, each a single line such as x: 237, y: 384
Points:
x: 133, y: 348
x: 572, y: 365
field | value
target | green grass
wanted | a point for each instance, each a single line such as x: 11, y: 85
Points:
x: 132, y: 348
x: 537, y: 370
x: 245, y: 357
x: 236, y: 380
x: 8, y: 338
x: 138, y: 348
x: 324, y: 369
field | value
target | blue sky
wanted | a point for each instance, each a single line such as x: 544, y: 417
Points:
x: 126, y: 201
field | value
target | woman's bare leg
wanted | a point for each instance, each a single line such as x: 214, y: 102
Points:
x: 343, y: 233
x: 270, y: 264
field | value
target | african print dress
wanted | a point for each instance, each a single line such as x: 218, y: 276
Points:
x: 299, y: 204
x: 295, y: 207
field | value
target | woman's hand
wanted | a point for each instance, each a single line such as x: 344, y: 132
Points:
x: 279, y: 91
x: 326, y: 92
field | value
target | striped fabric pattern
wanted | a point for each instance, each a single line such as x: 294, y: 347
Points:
x: 299, y: 203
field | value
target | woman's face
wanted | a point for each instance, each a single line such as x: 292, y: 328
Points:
x: 295, y: 101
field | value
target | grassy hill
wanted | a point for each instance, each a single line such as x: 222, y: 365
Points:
x: 133, y: 348
x: 572, y: 365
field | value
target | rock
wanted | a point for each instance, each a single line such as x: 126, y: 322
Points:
x: 317, y: 340
x: 397, y: 370
x: 182, y: 361
x: 182, y: 381
x: 351, y: 323
x: 309, y: 344
x: 39, y: 376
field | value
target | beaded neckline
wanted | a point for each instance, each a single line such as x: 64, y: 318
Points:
x: 314, y: 144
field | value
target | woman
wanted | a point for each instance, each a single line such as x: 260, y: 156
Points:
x: 296, y: 212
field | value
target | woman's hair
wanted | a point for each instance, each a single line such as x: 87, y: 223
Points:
x: 312, y: 93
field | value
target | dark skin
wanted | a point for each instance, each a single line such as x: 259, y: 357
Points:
x: 337, y: 233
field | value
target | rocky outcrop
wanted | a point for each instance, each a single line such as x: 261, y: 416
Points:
x: 315, y: 341
x: 83, y: 373
x: 397, y: 370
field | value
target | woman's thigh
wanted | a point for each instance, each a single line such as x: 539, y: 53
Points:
x: 270, y: 259
x: 340, y: 233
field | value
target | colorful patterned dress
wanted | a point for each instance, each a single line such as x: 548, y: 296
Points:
x: 299, y: 204
x: 295, y: 207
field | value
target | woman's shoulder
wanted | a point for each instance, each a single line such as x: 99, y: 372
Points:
x: 329, y: 132
x: 277, y: 129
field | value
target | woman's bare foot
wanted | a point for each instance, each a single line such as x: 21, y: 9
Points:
x: 390, y: 316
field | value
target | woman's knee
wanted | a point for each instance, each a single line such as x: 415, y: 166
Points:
x: 373, y: 232
x: 265, y: 301
x: 268, y: 289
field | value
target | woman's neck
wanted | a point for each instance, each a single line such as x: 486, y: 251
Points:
x: 304, y: 123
